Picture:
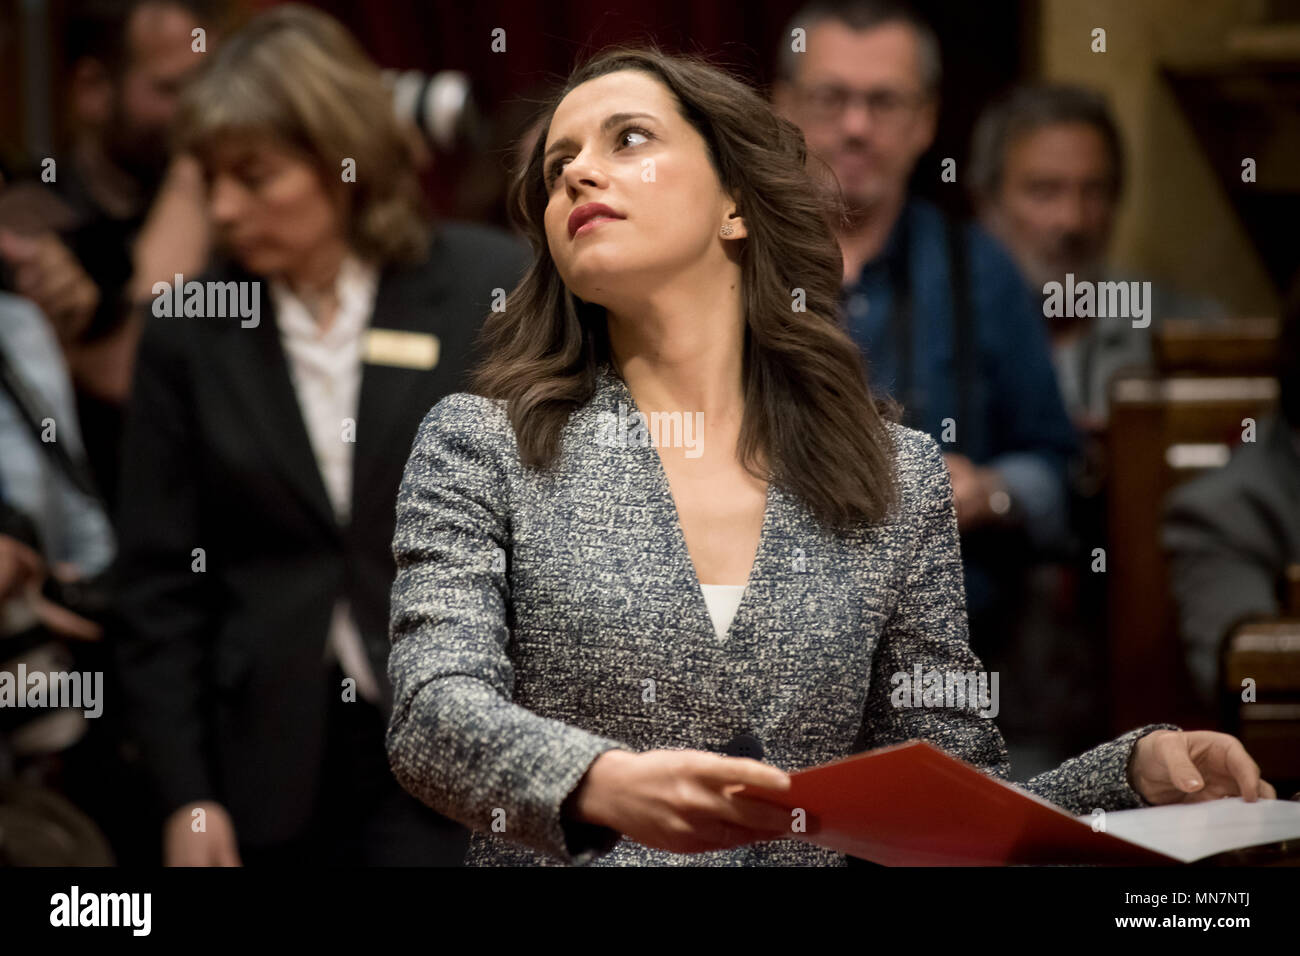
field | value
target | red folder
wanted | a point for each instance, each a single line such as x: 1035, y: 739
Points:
x: 914, y: 805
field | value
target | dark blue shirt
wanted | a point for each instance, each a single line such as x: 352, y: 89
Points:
x: 1018, y: 423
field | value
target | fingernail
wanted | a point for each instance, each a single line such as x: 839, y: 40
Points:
x: 1192, y: 782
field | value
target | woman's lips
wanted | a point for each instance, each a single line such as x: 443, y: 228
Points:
x: 591, y: 224
x: 589, y: 212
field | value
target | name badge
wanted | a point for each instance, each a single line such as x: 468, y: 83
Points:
x: 403, y: 349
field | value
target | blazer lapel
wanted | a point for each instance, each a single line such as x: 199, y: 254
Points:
x: 650, y: 488
x: 257, y: 364
x: 385, y: 389
x: 749, y: 682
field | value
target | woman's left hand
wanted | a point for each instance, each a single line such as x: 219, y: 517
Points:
x: 1176, y: 766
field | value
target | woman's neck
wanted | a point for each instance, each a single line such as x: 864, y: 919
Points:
x: 317, y: 272
x: 314, y: 280
x: 681, y: 350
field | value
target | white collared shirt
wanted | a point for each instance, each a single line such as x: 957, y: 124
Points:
x: 325, y: 367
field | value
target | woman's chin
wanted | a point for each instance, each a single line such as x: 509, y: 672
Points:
x: 258, y: 261
x: 595, y: 287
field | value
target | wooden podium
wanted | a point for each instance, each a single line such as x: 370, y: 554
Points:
x: 1168, y: 425
x: 1267, y: 654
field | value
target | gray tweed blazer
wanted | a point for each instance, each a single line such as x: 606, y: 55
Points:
x: 539, y: 620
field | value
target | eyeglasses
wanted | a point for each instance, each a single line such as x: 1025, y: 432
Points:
x: 885, y: 106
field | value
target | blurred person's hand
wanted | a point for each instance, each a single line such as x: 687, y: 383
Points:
x: 973, y: 490
x: 176, y: 236
x: 683, y: 801
x: 214, y: 846
x: 1090, y: 424
x: 60, y: 621
x: 20, y: 566
x: 22, y: 572
x: 46, y: 271
x: 1191, y: 766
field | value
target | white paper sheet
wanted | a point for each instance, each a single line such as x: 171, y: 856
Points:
x: 1191, y: 831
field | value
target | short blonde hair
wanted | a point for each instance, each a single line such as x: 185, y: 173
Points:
x: 295, y: 75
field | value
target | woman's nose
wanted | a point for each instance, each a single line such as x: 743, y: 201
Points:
x: 581, y: 171
x: 225, y: 200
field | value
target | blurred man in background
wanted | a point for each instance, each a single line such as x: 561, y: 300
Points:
x: 129, y: 61
x: 1047, y: 170
x: 1230, y: 534
x: 939, y: 309
x: 1047, y: 176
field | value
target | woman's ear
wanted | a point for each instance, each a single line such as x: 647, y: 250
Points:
x: 733, y: 227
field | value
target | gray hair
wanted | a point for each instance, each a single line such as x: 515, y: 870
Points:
x: 861, y: 15
x: 1027, y: 109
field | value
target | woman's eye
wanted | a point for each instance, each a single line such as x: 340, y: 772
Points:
x: 557, y: 167
x: 633, y: 131
x: 254, y: 178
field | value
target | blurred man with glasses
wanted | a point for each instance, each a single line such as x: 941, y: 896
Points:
x: 939, y: 308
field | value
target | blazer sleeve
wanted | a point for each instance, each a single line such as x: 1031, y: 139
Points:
x: 163, y: 606
x: 928, y: 628
x: 455, y: 739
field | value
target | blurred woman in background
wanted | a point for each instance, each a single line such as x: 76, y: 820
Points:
x: 263, y: 453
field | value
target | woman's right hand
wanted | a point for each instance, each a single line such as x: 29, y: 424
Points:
x: 682, y: 801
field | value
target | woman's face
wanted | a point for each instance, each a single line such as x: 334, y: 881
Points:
x: 269, y: 206
x: 619, y: 140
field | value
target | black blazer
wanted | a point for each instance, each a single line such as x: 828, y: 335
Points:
x: 222, y: 667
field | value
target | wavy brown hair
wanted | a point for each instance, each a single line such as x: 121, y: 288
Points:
x: 808, y: 410
x: 295, y: 76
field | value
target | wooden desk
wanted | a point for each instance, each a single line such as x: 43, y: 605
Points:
x: 1267, y: 653
x: 1162, y: 431
x: 1236, y: 347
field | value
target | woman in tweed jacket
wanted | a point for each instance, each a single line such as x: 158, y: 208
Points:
x: 559, y: 687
